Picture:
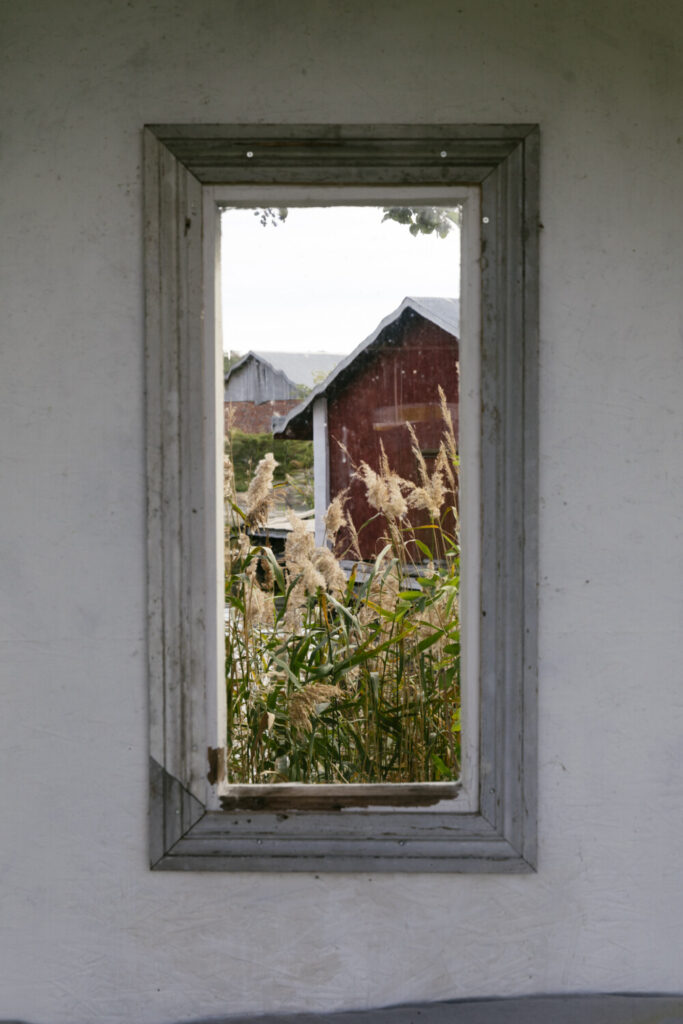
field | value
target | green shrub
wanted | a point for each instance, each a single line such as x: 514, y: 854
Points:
x: 293, y: 457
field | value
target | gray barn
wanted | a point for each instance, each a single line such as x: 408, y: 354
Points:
x: 264, y: 384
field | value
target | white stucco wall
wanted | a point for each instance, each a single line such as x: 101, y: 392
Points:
x: 87, y: 933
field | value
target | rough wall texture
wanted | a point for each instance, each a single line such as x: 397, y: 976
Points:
x: 87, y: 934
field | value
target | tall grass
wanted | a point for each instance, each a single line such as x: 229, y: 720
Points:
x: 346, y: 678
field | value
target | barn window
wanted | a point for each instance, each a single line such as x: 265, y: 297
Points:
x: 483, y: 820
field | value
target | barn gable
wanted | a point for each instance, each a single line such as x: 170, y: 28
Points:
x: 392, y: 378
x: 266, y: 384
x: 442, y: 312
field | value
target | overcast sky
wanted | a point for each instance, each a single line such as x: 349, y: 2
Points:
x: 323, y: 279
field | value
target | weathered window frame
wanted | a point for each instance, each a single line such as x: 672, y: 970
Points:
x: 182, y: 164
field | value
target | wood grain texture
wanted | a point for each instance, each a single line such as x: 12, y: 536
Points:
x: 340, y: 154
x: 334, y: 797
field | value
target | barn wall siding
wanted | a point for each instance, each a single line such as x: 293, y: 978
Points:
x: 257, y: 382
x: 87, y: 933
x: 255, y: 418
x: 395, y: 382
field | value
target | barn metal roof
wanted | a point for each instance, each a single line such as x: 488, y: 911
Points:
x: 445, y: 313
x: 300, y: 368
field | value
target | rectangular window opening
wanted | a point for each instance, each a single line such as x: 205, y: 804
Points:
x: 199, y: 818
x: 348, y: 328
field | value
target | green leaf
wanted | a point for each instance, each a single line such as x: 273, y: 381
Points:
x: 429, y: 641
x: 423, y: 547
x: 276, y: 568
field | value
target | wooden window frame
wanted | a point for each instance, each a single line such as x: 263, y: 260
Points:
x: 182, y: 165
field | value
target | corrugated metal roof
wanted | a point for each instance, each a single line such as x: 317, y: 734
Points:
x: 445, y: 313
x: 300, y: 368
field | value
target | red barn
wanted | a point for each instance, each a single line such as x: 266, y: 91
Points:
x: 390, y: 379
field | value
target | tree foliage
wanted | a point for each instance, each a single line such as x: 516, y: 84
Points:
x: 424, y: 220
x: 272, y: 215
x: 229, y: 360
x: 248, y: 449
x: 420, y: 220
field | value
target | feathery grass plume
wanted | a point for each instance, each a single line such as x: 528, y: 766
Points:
x: 258, y: 605
x: 333, y: 575
x: 299, y: 543
x: 395, y: 504
x: 443, y: 463
x: 260, y: 493
x: 346, y: 453
x: 374, y: 489
x: 317, y: 566
x: 354, y: 539
x: 449, y: 432
x: 312, y: 577
x: 268, y: 574
x: 229, y: 493
x: 431, y: 493
x: 334, y: 517
x: 303, y: 703
x: 417, y: 452
x: 384, y: 490
x: 229, y: 489
x: 299, y: 547
x: 429, y: 497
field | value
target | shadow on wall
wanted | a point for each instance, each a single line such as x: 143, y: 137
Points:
x: 564, y: 1009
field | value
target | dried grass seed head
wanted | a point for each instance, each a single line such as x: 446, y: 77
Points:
x: 260, y: 493
x: 384, y: 491
x: 259, y: 608
x: 417, y: 452
x: 444, y: 464
x: 334, y: 517
x: 449, y: 432
x: 331, y: 570
x: 302, y: 704
x: 430, y: 497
